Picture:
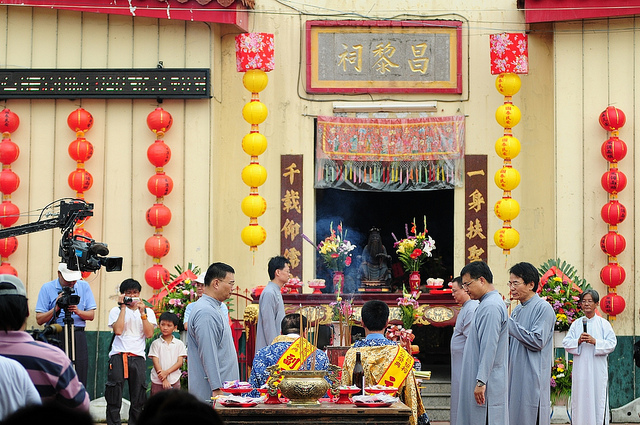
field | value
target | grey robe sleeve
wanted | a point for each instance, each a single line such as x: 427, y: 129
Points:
x: 209, y: 336
x: 489, y: 324
x: 543, y: 320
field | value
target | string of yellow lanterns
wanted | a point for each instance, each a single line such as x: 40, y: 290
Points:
x: 9, y: 182
x: 507, y: 147
x: 254, y: 56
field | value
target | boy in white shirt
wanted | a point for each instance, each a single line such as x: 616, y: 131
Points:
x: 167, y: 354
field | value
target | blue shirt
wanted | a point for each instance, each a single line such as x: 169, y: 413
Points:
x: 49, y: 293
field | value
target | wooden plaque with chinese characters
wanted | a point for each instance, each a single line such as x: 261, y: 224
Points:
x: 291, y: 211
x: 384, y: 56
x: 475, y: 192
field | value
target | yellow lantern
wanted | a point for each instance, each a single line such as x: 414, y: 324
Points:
x: 255, y: 80
x: 507, y: 209
x: 506, y: 238
x: 507, y: 147
x: 255, y: 112
x: 254, y: 175
x: 253, y: 205
x: 507, y: 115
x: 508, y: 83
x: 507, y: 178
x: 254, y: 144
x: 253, y: 235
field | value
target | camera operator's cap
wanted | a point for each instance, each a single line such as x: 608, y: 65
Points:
x: 69, y: 275
x: 18, y: 286
x: 200, y: 278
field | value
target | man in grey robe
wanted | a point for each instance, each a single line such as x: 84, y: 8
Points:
x: 483, y: 396
x: 458, y: 339
x: 530, y: 349
x: 271, y: 305
x: 212, y: 354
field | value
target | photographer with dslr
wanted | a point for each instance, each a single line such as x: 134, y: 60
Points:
x: 60, y: 296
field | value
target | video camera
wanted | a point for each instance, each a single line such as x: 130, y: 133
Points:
x: 68, y: 298
x: 130, y: 300
x: 85, y: 254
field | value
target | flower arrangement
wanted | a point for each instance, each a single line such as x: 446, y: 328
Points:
x: 336, y: 250
x: 561, y: 292
x: 408, y: 304
x: 561, y: 379
x: 343, y: 313
x: 402, y: 336
x: 180, y: 295
x: 415, y: 248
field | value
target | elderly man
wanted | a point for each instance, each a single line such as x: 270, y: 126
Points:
x: 282, y: 346
x: 380, y: 358
x: 483, y: 397
x: 530, y: 350
x: 458, y: 339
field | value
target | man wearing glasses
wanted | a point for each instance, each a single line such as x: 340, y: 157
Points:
x: 483, y: 396
x: 530, y: 350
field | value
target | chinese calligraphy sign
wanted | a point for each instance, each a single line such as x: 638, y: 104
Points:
x: 475, y: 217
x: 384, y: 56
x: 291, y: 211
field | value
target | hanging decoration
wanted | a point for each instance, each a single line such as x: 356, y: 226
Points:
x: 254, y: 57
x: 613, y: 212
x: 9, y: 182
x: 80, y: 150
x: 159, y: 215
x: 509, y: 57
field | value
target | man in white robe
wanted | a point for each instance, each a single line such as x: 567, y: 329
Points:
x: 483, y: 396
x: 590, y: 375
x: 459, y: 337
x: 530, y: 349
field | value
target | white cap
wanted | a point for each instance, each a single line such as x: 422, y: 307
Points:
x: 18, y: 286
x: 200, y: 278
x: 69, y: 275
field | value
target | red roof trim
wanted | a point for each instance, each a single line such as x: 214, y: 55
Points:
x: 571, y: 10
x: 236, y: 14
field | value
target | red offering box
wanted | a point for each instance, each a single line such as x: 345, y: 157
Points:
x: 344, y: 398
x: 236, y: 391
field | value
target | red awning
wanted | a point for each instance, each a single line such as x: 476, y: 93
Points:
x: 185, y: 10
x: 571, y: 10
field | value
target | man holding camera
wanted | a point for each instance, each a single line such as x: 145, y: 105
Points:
x: 58, y: 298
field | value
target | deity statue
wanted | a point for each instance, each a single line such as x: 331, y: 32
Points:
x: 374, y: 265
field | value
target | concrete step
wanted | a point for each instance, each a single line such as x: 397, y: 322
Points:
x: 438, y: 414
x: 435, y: 388
x: 436, y: 401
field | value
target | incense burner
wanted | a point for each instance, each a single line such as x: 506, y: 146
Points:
x: 304, y: 387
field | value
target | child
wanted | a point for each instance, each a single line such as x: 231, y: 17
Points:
x: 168, y: 354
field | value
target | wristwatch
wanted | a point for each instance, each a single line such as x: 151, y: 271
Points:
x: 480, y: 384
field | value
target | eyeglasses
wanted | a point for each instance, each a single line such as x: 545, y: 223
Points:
x: 587, y: 302
x: 514, y: 283
x: 465, y: 285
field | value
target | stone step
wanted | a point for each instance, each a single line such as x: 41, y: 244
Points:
x: 438, y: 415
x: 436, y: 401
x: 433, y: 388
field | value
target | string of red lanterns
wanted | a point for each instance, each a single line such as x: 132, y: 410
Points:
x: 254, y: 57
x: 9, y: 182
x: 80, y: 150
x: 613, y: 212
x: 159, y: 215
x: 509, y: 57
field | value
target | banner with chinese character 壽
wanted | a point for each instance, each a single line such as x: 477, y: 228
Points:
x: 389, y: 154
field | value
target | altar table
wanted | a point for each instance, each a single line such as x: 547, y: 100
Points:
x: 323, y: 413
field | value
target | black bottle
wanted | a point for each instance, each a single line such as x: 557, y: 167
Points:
x: 357, y: 376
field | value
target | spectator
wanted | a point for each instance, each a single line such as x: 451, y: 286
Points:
x: 167, y: 354
x: 50, y: 414
x: 173, y: 406
x: 17, y: 389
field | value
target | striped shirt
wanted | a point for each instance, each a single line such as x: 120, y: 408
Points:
x: 49, y: 368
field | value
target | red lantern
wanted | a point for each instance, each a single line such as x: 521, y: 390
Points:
x: 159, y: 121
x: 9, y: 213
x: 157, y: 246
x: 612, y: 304
x: 80, y: 150
x: 6, y: 268
x: 612, y: 275
x: 160, y: 184
x: 158, y: 215
x: 614, y: 149
x: 613, y: 243
x: 613, y: 213
x: 8, y: 246
x: 612, y: 118
x: 80, y: 120
x: 614, y: 181
x: 9, y: 151
x: 254, y: 51
x: 9, y: 121
x: 156, y: 276
x: 81, y: 231
x: 509, y: 53
x: 159, y: 153
x: 9, y: 181
x: 80, y: 180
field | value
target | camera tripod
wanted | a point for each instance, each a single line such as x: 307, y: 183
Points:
x: 69, y: 337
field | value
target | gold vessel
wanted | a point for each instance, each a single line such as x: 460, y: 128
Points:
x: 304, y: 387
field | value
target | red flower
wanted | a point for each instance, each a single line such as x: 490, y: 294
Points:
x: 347, y: 261
x: 561, y: 311
x: 335, y: 255
x: 416, y: 253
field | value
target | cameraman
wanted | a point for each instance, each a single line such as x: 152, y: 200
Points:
x: 48, y: 311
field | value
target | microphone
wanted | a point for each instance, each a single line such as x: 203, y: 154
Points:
x: 52, y: 329
x: 584, y: 326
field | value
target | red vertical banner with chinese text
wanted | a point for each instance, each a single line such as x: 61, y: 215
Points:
x: 291, y: 211
x: 475, y: 216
